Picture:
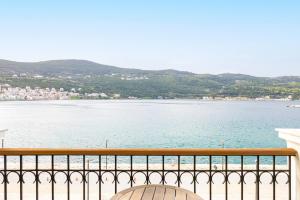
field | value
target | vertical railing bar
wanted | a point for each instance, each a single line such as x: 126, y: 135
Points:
x: 210, y: 178
x: 147, y: 169
x: 163, y: 170
x: 131, y: 177
x: 226, y: 179
x: 116, y: 175
x: 52, y: 177
x: 37, y: 177
x: 274, y: 178
x: 242, y: 177
x: 257, y: 177
x: 100, y: 177
x: 5, y: 177
x: 290, y: 182
x: 83, y: 177
x: 68, y: 179
x: 194, y: 173
x: 88, y: 180
x: 178, y: 171
x: 21, y: 177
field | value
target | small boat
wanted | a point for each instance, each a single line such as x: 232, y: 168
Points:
x: 294, y: 106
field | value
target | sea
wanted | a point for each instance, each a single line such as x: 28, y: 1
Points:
x: 146, y: 123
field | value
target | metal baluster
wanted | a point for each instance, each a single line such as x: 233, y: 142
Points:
x: 242, y: 177
x: 83, y: 177
x: 274, y: 178
x: 52, y: 177
x: 100, y: 177
x: 5, y: 177
x: 163, y: 170
x: 37, y: 177
x: 194, y: 174
x: 88, y: 180
x: 210, y: 179
x: 116, y: 175
x: 147, y: 169
x: 290, y: 182
x: 226, y: 177
x: 257, y: 178
x: 68, y: 178
x: 178, y: 171
x: 21, y: 177
x: 131, y: 177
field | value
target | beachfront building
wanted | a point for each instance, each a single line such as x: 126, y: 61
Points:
x: 16, y: 93
x: 263, y: 173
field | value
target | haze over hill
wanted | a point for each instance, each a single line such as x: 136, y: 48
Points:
x: 94, y: 77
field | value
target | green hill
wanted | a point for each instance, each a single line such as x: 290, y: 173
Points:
x: 71, y: 67
x: 94, y: 77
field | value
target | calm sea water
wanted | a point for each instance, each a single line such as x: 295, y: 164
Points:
x: 146, y: 123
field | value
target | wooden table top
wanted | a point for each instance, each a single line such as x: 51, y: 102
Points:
x: 155, y: 192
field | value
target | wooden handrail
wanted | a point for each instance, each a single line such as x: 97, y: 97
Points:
x: 153, y: 151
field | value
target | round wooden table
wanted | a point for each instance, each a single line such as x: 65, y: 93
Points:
x: 155, y: 192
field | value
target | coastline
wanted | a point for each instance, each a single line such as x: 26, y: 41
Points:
x: 154, y: 99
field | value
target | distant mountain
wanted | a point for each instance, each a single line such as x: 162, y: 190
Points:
x: 94, y: 77
x: 58, y: 67
x: 72, y: 67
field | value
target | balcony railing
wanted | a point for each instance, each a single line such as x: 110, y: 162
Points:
x: 99, y: 173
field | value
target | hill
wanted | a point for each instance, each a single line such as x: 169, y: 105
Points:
x: 93, y: 77
x: 71, y: 67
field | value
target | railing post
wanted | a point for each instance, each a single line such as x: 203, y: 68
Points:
x: 292, y: 138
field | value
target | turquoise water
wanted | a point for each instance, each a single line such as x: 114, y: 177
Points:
x: 146, y: 123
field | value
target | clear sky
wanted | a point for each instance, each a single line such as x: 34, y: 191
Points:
x: 257, y: 37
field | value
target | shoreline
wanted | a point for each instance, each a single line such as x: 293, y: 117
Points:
x: 145, y: 99
x: 141, y: 166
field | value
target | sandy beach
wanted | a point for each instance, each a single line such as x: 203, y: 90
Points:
x: 107, y: 187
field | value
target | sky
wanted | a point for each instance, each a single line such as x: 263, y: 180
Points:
x: 256, y: 37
